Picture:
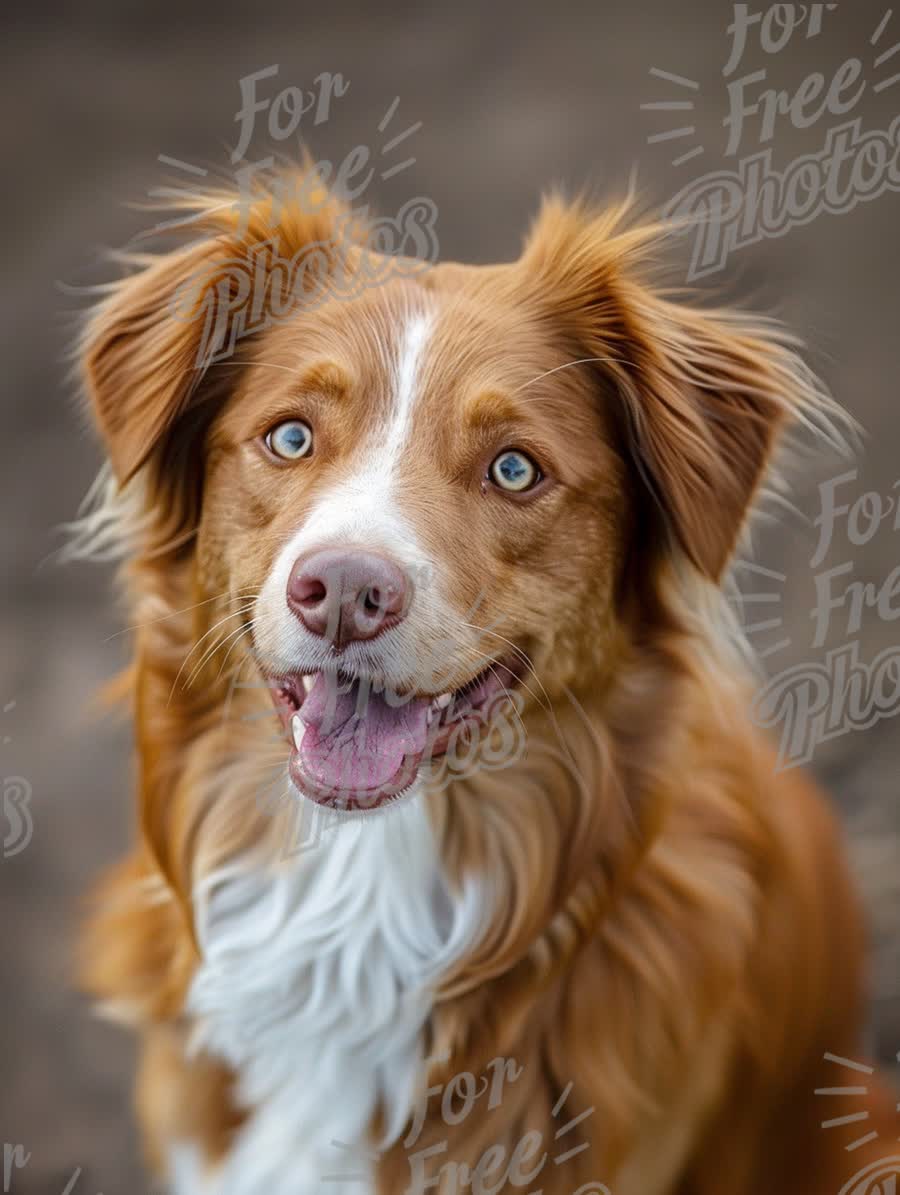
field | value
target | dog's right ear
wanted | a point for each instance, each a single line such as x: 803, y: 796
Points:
x: 701, y: 396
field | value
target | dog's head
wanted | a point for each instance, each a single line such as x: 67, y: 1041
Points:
x: 412, y: 490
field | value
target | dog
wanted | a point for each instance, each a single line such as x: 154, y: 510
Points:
x: 461, y: 864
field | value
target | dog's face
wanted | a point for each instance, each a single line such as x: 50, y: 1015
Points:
x: 412, y: 492
x: 444, y: 487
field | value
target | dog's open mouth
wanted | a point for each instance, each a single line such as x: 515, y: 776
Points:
x: 357, y: 746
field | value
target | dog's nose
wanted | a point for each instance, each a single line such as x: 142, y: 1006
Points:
x: 347, y: 595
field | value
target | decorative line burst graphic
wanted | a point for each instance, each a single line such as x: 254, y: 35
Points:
x: 73, y: 1182
x: 767, y: 597
x: 390, y: 146
x: 567, y: 1128
x: 687, y: 105
x: 374, y: 1156
x: 887, y: 55
x: 15, y: 1156
x: 852, y: 1117
x: 674, y: 106
x: 357, y: 1153
x: 387, y: 171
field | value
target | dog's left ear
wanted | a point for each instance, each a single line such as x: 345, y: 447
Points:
x: 148, y: 344
x: 141, y: 358
x: 701, y: 395
x: 148, y: 349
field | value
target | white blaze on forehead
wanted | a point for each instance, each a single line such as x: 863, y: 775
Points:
x: 362, y: 504
x: 361, y: 509
x: 412, y: 345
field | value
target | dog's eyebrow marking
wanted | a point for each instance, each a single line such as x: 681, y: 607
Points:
x: 327, y: 377
x: 486, y: 407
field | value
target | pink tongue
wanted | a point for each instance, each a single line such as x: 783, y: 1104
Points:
x: 356, y: 740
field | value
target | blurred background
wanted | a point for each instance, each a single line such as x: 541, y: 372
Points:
x: 506, y: 99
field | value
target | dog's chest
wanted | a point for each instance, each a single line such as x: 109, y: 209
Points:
x: 315, y: 986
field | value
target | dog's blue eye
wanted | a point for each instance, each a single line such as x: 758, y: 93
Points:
x: 290, y: 440
x: 514, y: 471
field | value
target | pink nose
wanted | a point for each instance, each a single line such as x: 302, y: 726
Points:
x: 346, y: 595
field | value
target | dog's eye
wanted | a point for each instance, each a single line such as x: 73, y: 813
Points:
x: 514, y: 471
x: 290, y: 440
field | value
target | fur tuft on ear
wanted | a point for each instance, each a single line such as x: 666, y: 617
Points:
x: 140, y: 361
x: 147, y: 347
x: 703, y: 395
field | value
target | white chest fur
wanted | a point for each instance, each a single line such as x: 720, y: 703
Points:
x: 315, y: 984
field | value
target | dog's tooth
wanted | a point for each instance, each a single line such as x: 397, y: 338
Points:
x: 308, y: 682
x: 443, y: 701
x: 298, y: 730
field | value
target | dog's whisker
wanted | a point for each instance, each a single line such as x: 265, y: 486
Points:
x: 238, y: 595
x: 521, y: 656
x: 568, y: 365
x: 493, y: 670
x: 210, y: 652
x: 251, y: 364
x: 232, y: 614
x: 246, y: 629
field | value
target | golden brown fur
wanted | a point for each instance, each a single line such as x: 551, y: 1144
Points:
x: 675, y: 932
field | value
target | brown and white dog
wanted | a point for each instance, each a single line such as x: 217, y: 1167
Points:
x: 390, y: 522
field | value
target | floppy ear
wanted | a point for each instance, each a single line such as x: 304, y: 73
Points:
x: 140, y: 355
x: 147, y: 347
x: 702, y: 395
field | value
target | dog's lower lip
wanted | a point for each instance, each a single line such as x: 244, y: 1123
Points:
x: 357, y: 801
